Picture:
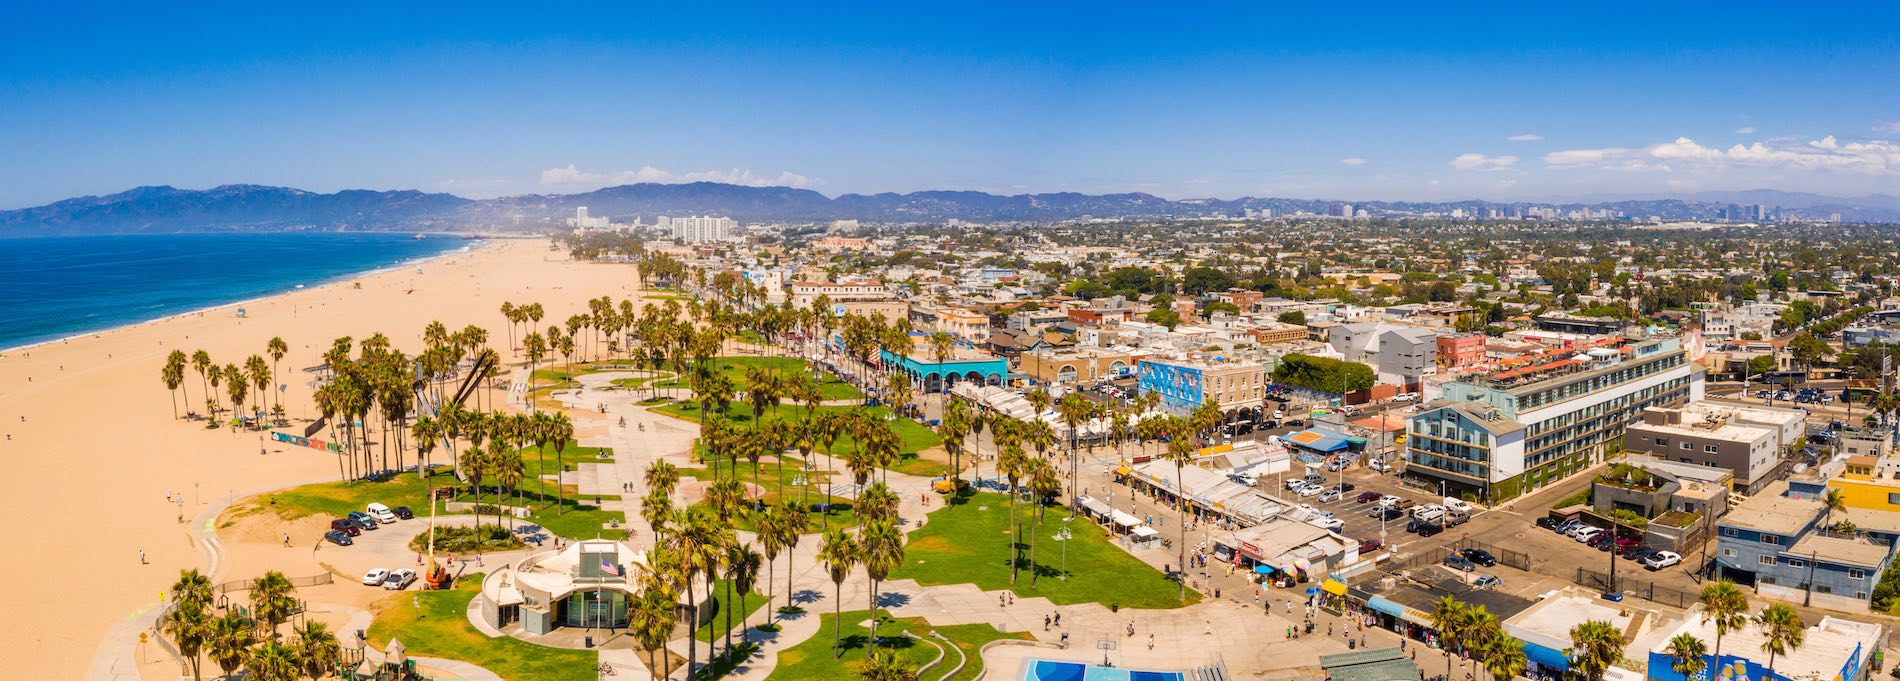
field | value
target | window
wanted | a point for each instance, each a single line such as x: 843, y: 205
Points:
x: 1893, y: 498
x: 1688, y: 445
x: 1728, y: 553
x: 1709, y: 448
x: 1730, y: 532
x: 1855, y: 573
x: 1771, y: 539
x: 1765, y: 560
x: 1662, y: 441
x: 1795, y: 563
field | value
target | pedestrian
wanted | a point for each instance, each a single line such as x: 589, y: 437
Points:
x: 1207, y: 627
x: 286, y: 540
x: 1151, y: 641
x: 1012, y: 598
x: 1000, y: 601
x: 1058, y: 619
x: 1045, y: 622
x: 142, y: 556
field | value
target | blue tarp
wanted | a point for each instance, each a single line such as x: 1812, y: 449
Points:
x: 1547, y: 658
x: 1265, y: 569
x: 1386, y: 605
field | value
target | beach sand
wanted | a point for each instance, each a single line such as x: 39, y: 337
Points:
x: 92, y: 448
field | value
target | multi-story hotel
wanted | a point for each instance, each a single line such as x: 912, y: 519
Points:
x: 1186, y: 383
x: 1503, y: 434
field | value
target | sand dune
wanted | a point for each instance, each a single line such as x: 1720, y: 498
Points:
x: 91, y: 447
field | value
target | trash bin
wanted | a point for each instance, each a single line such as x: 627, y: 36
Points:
x: 589, y: 642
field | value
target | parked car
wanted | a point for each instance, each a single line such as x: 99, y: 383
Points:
x: 1379, y: 465
x: 1327, y: 523
x: 1294, y: 484
x: 1548, y: 523
x: 1310, y: 490
x: 1315, y: 479
x: 381, y: 513
x: 1369, y: 545
x: 1479, y: 556
x: 346, y: 526
x: 1456, y: 518
x: 1345, y: 487
x: 338, y: 537
x: 362, y: 520
x: 1457, y: 504
x: 1248, y: 479
x: 399, y: 579
x: 1638, y: 553
x: 1586, y: 534
x: 1662, y: 559
x: 404, y: 513
x: 1329, y: 495
x: 1406, y: 504
x: 1368, y: 496
x: 1386, y: 513
x: 1390, y: 501
x: 1486, y: 582
x: 375, y: 576
x: 1430, y: 529
x: 1457, y: 562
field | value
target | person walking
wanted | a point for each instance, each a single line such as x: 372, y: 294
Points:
x: 142, y: 557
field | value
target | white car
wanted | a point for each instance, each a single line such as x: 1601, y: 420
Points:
x: 1389, y: 500
x: 399, y: 579
x: 1587, y: 534
x: 1404, y: 397
x: 1331, y: 494
x: 1456, y: 504
x: 1662, y: 559
x: 375, y: 577
x: 381, y: 513
x: 1308, y: 508
x: 1379, y: 465
x: 1333, y: 524
x: 1311, y: 490
x: 1294, y: 484
x: 1247, y: 479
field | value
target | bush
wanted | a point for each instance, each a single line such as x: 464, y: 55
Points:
x: 463, y: 539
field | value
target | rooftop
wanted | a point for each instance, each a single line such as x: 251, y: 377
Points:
x: 1770, y: 511
x: 1840, y: 551
x: 1824, y: 650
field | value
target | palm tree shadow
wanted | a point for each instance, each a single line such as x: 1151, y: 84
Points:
x: 807, y: 596
x: 893, y: 599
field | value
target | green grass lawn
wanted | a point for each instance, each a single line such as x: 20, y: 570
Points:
x: 813, y: 659
x: 717, y: 627
x: 912, y: 436
x: 439, y: 628
x: 968, y: 541
x: 735, y: 369
x: 567, y: 515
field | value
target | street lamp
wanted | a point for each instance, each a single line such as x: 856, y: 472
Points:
x: 1064, y: 535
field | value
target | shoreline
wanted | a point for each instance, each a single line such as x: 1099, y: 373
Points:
x: 294, y: 287
x: 97, y: 449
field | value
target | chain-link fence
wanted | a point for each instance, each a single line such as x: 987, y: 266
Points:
x: 1647, y: 590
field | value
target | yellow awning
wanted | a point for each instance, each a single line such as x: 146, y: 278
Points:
x: 1334, y: 587
x: 1123, y: 470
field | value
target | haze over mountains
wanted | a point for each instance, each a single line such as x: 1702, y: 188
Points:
x: 263, y: 208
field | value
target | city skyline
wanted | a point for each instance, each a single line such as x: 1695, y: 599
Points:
x: 1500, y: 103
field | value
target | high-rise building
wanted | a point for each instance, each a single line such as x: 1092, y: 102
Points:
x: 698, y: 228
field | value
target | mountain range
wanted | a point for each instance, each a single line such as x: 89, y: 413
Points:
x: 264, y: 208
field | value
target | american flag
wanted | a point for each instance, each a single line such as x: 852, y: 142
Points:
x: 610, y: 568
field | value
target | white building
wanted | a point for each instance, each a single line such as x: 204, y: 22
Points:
x: 698, y: 228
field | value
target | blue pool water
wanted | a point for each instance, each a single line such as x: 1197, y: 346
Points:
x: 1050, y: 670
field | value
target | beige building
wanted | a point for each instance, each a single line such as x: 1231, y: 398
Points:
x: 1749, y: 441
x: 803, y: 292
x: 1078, y: 365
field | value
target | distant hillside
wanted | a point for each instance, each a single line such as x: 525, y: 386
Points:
x: 253, y: 207
x: 228, y: 208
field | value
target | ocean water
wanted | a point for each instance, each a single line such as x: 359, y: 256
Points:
x: 62, y: 286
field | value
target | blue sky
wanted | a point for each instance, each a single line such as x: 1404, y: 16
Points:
x: 1408, y: 101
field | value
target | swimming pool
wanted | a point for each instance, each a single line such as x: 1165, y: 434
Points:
x: 1051, y: 670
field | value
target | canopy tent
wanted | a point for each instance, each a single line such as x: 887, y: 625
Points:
x: 1333, y: 586
x: 1145, y: 531
x: 1123, y: 519
x: 1096, y: 506
x: 1264, y: 569
x: 1386, y: 605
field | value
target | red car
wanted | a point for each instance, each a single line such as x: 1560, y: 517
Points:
x: 1368, y: 496
x: 345, y: 526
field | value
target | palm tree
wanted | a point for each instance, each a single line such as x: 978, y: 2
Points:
x: 1595, y: 645
x: 173, y: 375
x: 229, y: 641
x: 1181, y: 453
x: 260, y: 374
x: 744, y: 561
x: 1011, y: 462
x: 271, y: 600
x: 273, y: 661
x: 1781, y: 630
x: 317, y: 649
x: 651, y: 618
x: 885, y: 665
x: 1686, y: 655
x: 1504, y: 657
x: 201, y: 362
x: 839, y: 553
x: 1835, y: 501
x: 188, y: 624
x: 1724, y: 604
x: 881, y: 550
x: 771, y: 532
x: 1074, y: 410
x: 697, y: 541
x: 474, y: 467
x: 559, y: 431
x: 796, y: 519
x: 1043, y: 484
x: 510, y: 470
x: 1449, y: 616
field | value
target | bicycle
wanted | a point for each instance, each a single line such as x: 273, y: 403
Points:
x: 604, y: 669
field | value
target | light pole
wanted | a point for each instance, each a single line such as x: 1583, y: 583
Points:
x: 1063, y: 535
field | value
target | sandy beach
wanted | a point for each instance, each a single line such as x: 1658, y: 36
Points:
x: 93, y: 449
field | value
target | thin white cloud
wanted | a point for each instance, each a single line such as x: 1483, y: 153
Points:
x: 1481, y: 163
x: 1746, y: 130
x: 1354, y: 161
x: 1526, y: 137
x: 1890, y: 127
x: 571, y: 176
x: 1874, y: 157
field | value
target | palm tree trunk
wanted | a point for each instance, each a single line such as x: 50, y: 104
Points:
x: 1013, y: 534
x: 692, y: 629
x: 837, y: 618
x: 1181, y: 500
x: 870, y: 645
